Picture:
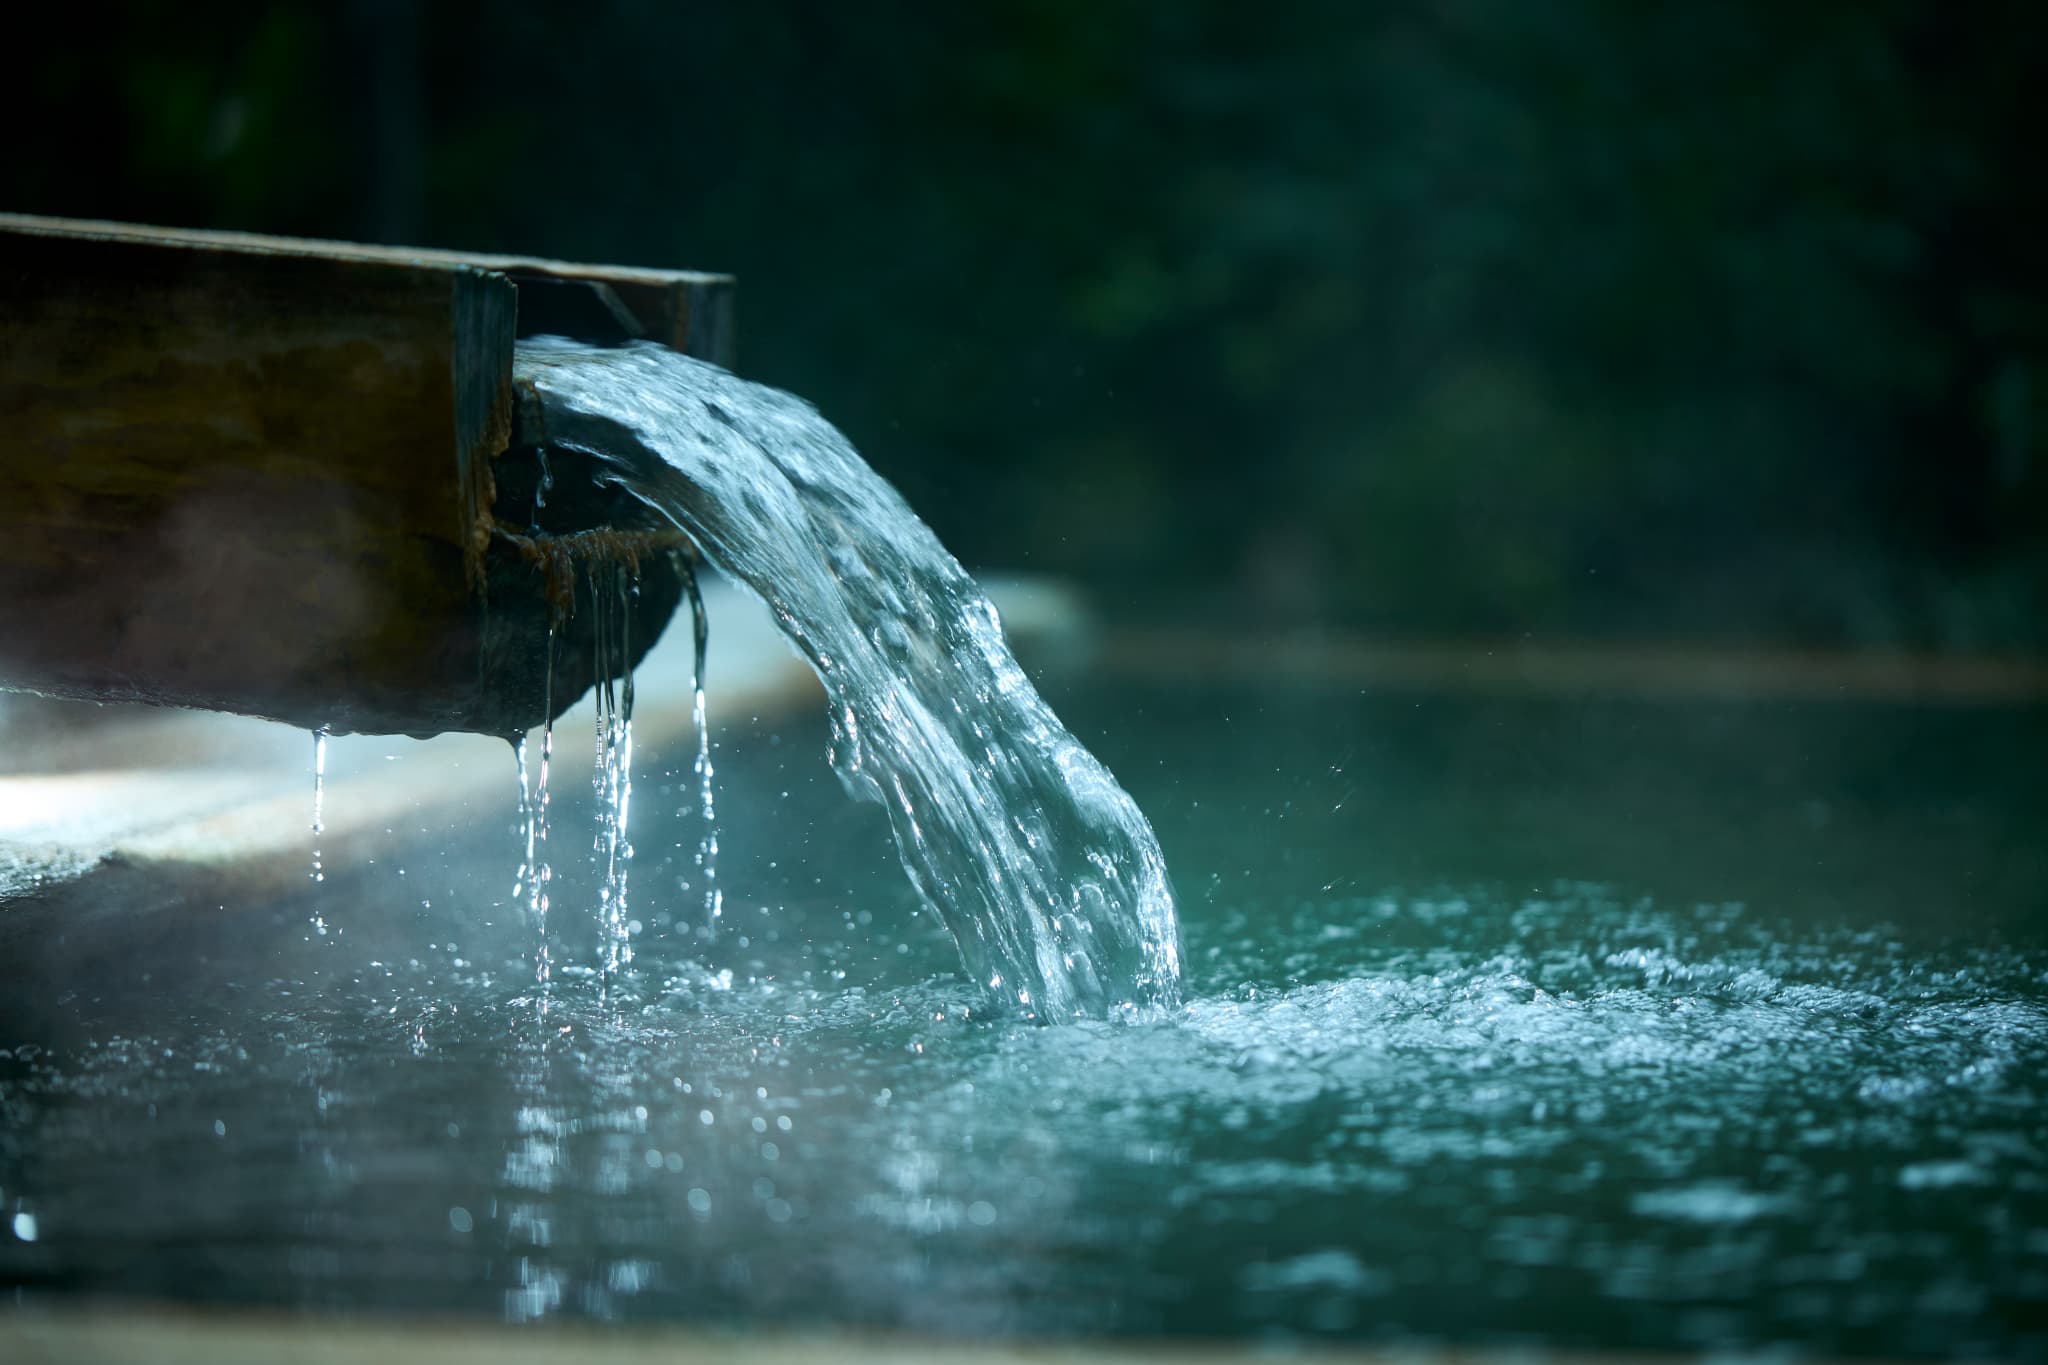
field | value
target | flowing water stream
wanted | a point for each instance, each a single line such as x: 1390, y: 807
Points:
x: 1043, y: 868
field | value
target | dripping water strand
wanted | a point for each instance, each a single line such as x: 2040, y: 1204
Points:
x: 628, y: 593
x: 707, y: 839
x: 540, y: 874
x: 319, y: 874
x: 602, y: 699
x: 612, y: 777
x: 525, y: 820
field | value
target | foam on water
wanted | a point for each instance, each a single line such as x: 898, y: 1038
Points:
x: 1043, y: 868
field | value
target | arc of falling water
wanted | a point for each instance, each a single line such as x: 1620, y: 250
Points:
x: 1047, y: 874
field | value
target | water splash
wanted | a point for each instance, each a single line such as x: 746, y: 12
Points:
x: 1045, y: 871
x: 707, y: 842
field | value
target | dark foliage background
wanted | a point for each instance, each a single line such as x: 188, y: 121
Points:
x: 1702, y: 320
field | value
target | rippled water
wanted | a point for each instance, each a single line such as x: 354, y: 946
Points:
x: 1659, y: 1027
x: 1047, y: 873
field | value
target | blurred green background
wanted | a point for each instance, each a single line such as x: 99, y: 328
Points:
x: 1702, y: 321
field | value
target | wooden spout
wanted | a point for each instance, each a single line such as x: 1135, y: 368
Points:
x: 265, y: 476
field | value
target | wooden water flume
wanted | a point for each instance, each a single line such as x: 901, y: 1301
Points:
x: 286, y: 478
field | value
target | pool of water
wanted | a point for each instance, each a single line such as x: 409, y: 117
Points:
x: 1616, y: 1025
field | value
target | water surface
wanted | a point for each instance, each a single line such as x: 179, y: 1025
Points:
x: 1508, y: 1022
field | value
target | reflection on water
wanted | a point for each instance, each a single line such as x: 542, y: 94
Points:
x: 531, y: 1159
x: 1471, y: 1108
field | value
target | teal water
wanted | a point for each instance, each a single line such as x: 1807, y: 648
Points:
x: 1507, y: 1023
